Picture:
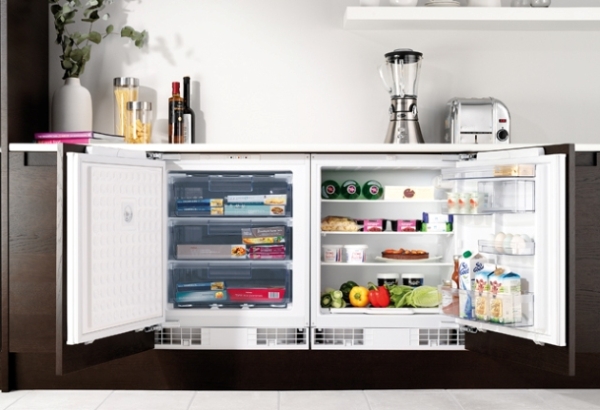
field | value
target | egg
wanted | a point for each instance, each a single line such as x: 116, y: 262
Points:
x: 499, y: 242
x: 506, y: 245
x: 519, y: 244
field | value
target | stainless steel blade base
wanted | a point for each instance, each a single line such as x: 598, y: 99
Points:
x: 404, y: 125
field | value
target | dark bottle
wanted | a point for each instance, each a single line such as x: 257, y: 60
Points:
x: 189, y: 118
x: 176, y: 116
x: 350, y: 189
x: 372, y: 190
x: 330, y: 190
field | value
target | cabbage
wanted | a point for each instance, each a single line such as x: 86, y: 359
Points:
x: 424, y: 296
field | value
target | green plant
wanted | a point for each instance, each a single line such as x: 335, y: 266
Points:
x: 77, y: 46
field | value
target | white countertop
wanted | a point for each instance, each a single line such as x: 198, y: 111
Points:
x: 304, y: 148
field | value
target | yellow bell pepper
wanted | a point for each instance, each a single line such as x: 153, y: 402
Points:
x: 359, y: 296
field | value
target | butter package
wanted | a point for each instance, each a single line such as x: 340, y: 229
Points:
x: 437, y: 218
x: 407, y: 192
x: 263, y: 235
x: 257, y: 199
x: 521, y: 170
x: 254, y: 210
x: 436, y: 227
x: 211, y: 251
x: 505, y: 298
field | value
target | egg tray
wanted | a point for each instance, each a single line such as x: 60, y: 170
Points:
x: 526, y: 248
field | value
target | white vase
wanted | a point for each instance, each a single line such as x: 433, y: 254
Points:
x: 72, y: 107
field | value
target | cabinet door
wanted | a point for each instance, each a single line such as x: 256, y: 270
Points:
x: 112, y: 261
x: 549, y: 345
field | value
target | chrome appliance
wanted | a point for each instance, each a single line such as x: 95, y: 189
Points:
x: 477, y: 121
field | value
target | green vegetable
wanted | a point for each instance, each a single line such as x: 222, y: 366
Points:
x: 337, y: 303
x: 346, y: 288
x: 337, y: 295
x: 326, y: 300
x: 425, y: 296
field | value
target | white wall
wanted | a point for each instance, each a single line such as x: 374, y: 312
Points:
x: 285, y: 71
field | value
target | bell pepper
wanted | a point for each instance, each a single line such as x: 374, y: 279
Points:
x: 379, y: 296
x: 346, y: 288
x: 359, y: 296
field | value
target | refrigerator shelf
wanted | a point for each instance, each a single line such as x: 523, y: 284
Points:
x: 384, y: 311
x: 380, y: 264
x: 504, y: 310
x: 325, y: 233
x: 383, y: 201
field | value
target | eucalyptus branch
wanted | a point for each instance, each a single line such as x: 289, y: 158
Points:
x: 75, y: 57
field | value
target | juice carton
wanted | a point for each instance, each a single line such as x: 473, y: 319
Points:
x: 468, y: 267
x: 481, y: 293
x: 505, y: 298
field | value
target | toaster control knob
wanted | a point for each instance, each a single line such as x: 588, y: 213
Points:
x: 502, y: 135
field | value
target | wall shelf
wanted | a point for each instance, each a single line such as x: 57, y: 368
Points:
x: 472, y: 18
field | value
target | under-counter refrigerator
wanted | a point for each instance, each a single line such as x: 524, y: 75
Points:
x: 206, y: 251
x: 521, y: 193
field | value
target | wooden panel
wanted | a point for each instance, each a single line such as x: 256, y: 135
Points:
x: 78, y: 357
x: 301, y: 370
x: 555, y: 359
x: 587, y: 204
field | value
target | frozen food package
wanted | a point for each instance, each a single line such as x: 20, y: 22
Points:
x: 237, y: 251
x: 263, y: 235
x: 257, y: 199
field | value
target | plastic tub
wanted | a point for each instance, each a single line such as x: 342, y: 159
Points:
x: 355, y: 253
x: 387, y: 278
x: 413, y: 279
x: 332, y: 253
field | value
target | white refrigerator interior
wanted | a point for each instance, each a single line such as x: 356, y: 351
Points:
x: 228, y: 251
x: 530, y: 207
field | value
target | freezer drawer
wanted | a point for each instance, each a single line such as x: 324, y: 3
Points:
x: 230, y: 194
x: 229, y: 285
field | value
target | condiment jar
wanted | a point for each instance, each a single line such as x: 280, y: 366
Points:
x: 125, y: 89
x: 138, y: 128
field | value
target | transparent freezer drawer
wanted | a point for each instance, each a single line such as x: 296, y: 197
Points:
x: 257, y: 239
x: 507, y: 196
x: 230, y: 286
x: 252, y: 194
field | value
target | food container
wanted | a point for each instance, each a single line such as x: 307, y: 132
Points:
x: 413, y: 279
x: 355, y: 253
x: 372, y: 225
x: 257, y: 295
x: 452, y: 201
x: 463, y: 202
x: 406, y: 225
x: 387, y: 279
x: 139, y: 122
x: 332, y: 253
x: 125, y: 89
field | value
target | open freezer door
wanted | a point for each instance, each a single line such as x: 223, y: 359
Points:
x: 112, y: 287
x: 549, y: 342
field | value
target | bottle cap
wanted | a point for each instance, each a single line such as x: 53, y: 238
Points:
x: 467, y: 254
x: 175, y: 86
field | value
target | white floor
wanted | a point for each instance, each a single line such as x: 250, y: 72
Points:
x: 302, y: 400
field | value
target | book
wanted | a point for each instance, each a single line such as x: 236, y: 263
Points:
x: 76, y: 137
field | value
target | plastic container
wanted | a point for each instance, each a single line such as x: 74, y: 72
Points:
x: 387, y: 279
x: 125, y: 89
x: 413, y: 279
x: 332, y: 253
x: 355, y: 253
x: 139, y: 122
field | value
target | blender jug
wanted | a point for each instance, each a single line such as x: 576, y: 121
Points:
x: 401, y: 78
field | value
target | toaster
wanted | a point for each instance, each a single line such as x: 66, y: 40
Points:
x: 477, y: 121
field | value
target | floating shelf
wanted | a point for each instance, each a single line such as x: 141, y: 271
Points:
x: 472, y: 18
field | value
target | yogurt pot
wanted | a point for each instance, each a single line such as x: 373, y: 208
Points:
x: 332, y: 253
x: 355, y: 253
x: 387, y: 279
x: 413, y: 279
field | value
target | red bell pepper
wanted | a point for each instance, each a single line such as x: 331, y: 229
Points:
x: 379, y: 296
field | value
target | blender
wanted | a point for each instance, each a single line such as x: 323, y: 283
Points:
x: 401, y: 78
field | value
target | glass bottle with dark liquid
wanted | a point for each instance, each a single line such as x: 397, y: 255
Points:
x: 189, y: 118
x: 176, y: 116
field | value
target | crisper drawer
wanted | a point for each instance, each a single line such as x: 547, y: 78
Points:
x: 253, y: 239
x: 214, y: 285
x: 235, y: 195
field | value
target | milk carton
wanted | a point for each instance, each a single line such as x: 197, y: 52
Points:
x: 505, y: 298
x: 481, y: 293
x: 468, y: 267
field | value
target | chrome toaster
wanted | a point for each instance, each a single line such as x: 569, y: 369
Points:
x: 477, y: 121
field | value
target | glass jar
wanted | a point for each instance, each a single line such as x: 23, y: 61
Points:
x: 138, y: 129
x: 125, y: 89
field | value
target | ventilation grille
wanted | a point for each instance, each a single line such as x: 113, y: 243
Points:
x: 186, y: 336
x: 344, y: 337
x: 266, y: 336
x: 438, y: 337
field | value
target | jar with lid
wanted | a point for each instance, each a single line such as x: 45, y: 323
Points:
x: 138, y: 128
x: 125, y: 89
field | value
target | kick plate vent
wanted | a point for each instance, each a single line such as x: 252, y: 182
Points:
x: 186, y: 336
x: 267, y: 336
x: 438, y: 337
x: 343, y: 337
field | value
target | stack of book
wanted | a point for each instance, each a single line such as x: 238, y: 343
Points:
x: 77, y: 137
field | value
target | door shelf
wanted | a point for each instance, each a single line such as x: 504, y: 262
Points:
x: 515, y: 249
x: 498, y: 172
x: 504, y: 310
x: 472, y: 18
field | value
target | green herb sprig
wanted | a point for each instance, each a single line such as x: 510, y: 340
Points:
x: 77, y: 46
